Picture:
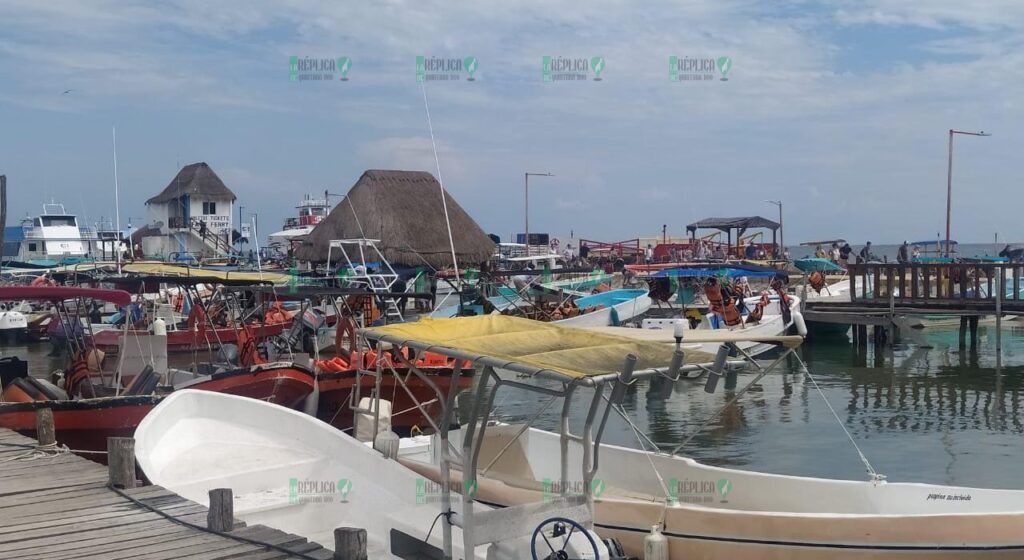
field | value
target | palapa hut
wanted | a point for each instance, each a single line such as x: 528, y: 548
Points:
x: 404, y: 211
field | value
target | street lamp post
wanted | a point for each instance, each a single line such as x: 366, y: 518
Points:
x: 949, y: 179
x: 526, y: 207
x: 782, y: 237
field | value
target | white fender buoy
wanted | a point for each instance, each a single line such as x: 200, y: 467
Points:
x: 159, y: 327
x: 801, y: 325
x: 655, y: 545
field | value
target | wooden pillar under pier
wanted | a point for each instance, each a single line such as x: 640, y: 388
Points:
x: 121, y: 461
x: 963, y: 333
x: 45, y: 431
x: 974, y: 332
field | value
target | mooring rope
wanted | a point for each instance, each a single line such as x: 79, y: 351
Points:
x: 440, y: 181
x: 863, y: 459
x: 204, y: 529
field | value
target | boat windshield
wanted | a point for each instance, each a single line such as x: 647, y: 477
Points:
x: 49, y: 221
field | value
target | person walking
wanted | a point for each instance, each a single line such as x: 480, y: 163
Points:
x: 865, y: 254
x: 844, y: 254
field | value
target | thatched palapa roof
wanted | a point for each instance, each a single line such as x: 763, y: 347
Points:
x: 402, y: 209
x: 194, y: 179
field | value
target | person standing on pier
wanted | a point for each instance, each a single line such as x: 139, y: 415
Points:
x: 844, y: 254
x: 903, y: 256
x: 833, y: 253
x: 865, y: 254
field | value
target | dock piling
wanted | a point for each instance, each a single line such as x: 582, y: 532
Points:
x: 349, y: 543
x: 45, y: 431
x: 121, y: 462
x: 974, y: 332
x: 221, y: 515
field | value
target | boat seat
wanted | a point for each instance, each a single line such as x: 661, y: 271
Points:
x: 144, y: 382
x: 24, y: 385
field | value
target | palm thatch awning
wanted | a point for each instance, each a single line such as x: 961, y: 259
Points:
x: 194, y: 179
x: 404, y: 211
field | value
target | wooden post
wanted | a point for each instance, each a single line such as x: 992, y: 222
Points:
x: 221, y: 515
x: 1000, y: 273
x: 974, y: 332
x: 45, y: 432
x: 121, y: 462
x: 349, y: 543
x: 963, y: 332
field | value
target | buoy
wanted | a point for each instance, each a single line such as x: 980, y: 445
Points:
x: 655, y: 545
x: 387, y: 443
x: 159, y: 327
x: 801, y: 326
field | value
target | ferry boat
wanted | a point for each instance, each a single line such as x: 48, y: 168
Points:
x: 51, y: 238
x: 312, y: 211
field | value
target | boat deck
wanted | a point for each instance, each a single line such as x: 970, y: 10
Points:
x: 55, y: 506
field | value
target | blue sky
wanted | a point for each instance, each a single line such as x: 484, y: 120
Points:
x: 838, y: 108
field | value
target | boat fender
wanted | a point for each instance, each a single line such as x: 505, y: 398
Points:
x: 312, y: 402
x: 159, y: 327
x: 801, y: 325
x: 655, y: 545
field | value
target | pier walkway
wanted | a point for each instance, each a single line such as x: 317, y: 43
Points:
x: 885, y: 295
x: 56, y: 505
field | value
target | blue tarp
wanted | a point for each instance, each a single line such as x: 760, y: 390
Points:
x: 813, y: 264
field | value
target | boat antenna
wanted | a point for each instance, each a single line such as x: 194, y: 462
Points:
x: 117, y: 202
x: 440, y: 181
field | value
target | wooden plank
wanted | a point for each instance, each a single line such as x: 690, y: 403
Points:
x: 165, y: 532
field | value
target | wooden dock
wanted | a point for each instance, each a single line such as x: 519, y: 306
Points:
x: 56, y: 505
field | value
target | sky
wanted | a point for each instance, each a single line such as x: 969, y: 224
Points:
x: 839, y: 109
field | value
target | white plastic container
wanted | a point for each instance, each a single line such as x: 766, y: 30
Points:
x: 655, y: 545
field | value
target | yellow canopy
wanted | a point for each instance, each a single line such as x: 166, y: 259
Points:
x: 572, y: 352
x: 177, y: 270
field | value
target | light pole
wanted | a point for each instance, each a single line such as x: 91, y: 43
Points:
x: 782, y: 237
x: 949, y: 178
x: 240, y: 208
x: 526, y: 207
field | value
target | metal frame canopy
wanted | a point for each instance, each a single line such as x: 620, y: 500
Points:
x: 530, y: 349
x: 572, y: 358
x: 741, y: 225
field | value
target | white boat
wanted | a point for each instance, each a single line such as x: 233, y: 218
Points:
x: 706, y: 512
x: 13, y: 321
x: 712, y: 512
x: 311, y: 211
x: 49, y: 238
x: 292, y: 472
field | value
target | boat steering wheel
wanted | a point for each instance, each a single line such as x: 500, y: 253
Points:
x: 558, y: 529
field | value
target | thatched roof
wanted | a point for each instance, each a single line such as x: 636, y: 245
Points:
x: 194, y: 179
x: 402, y: 209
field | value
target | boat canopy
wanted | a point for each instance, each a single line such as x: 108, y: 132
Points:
x: 542, y: 347
x: 930, y: 242
x: 143, y: 280
x: 61, y: 293
x: 815, y: 264
x: 726, y: 224
x: 825, y: 242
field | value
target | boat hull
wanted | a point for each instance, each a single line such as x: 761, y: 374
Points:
x: 336, y: 394
x: 188, y: 341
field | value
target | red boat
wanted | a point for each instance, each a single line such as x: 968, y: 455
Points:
x: 94, y: 412
x: 191, y: 339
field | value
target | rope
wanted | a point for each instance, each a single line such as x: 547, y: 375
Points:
x: 190, y: 525
x: 867, y: 464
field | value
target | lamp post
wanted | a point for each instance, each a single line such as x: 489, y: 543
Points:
x: 526, y: 207
x: 782, y: 237
x: 240, y: 208
x: 949, y: 178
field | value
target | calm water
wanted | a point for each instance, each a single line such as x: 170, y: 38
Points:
x: 919, y: 414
